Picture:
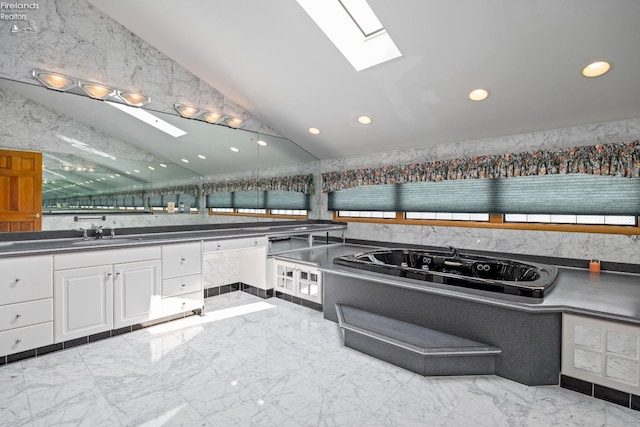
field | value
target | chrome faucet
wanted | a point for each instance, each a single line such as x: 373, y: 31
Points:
x: 454, y: 251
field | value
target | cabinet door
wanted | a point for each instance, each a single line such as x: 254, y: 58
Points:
x: 284, y: 277
x: 309, y: 286
x: 137, y: 292
x: 253, y: 267
x: 83, y: 301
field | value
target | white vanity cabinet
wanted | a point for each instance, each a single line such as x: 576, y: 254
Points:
x: 26, y: 303
x: 236, y: 261
x: 601, y: 352
x: 297, y: 279
x: 84, y: 301
x: 181, y: 278
x: 97, y: 291
x: 136, y: 292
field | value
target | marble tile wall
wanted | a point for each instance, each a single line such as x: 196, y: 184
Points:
x: 77, y: 39
x: 607, y: 247
x: 66, y: 222
x: 30, y: 126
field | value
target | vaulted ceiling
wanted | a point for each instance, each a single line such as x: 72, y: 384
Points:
x: 272, y: 59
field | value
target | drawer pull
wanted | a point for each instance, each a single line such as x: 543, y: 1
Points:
x: 18, y: 341
x: 118, y: 273
x: 184, y: 285
x: 18, y: 279
x: 182, y: 260
x: 18, y: 316
x: 109, y: 274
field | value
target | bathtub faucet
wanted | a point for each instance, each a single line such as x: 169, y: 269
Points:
x: 454, y: 251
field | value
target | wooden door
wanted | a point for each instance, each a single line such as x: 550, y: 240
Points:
x: 20, y: 191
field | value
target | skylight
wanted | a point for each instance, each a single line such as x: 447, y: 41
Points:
x: 149, y: 119
x: 354, y: 29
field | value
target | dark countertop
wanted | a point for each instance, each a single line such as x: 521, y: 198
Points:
x: 76, y: 244
x: 606, y: 295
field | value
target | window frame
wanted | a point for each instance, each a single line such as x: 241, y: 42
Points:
x: 496, y: 221
x: 268, y: 214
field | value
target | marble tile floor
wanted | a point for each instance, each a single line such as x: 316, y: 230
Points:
x: 254, y: 362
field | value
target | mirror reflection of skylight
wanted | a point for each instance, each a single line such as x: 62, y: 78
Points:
x: 354, y: 29
x: 149, y: 119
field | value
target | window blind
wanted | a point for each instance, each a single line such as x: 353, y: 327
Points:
x: 571, y: 194
x: 275, y: 199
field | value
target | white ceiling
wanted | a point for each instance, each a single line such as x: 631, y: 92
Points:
x: 271, y: 58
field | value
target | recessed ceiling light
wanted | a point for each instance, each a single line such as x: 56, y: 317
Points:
x: 261, y: 142
x: 201, y: 156
x: 151, y: 167
x: 163, y: 165
x: 136, y: 171
x: 234, y: 149
x: 127, y: 172
x: 596, y: 69
x: 364, y: 120
x: 185, y: 160
x: 478, y: 95
x: 314, y: 131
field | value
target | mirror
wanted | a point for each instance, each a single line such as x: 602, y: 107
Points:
x: 89, y: 147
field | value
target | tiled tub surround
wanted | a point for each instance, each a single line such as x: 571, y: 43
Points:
x: 529, y: 341
x: 270, y: 363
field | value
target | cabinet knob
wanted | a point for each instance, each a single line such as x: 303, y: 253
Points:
x: 18, y: 341
x: 18, y: 279
x: 18, y: 316
x: 183, y: 259
x: 184, y: 285
x: 109, y: 274
x: 118, y: 273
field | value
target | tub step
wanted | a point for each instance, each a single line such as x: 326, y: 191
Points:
x: 414, y: 347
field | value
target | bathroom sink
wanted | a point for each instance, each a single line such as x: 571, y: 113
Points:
x: 106, y: 241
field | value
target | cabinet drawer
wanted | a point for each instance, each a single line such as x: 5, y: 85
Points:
x: 105, y: 257
x: 27, y: 338
x: 228, y: 245
x: 26, y: 313
x: 180, y: 303
x: 181, y: 285
x: 25, y: 279
x: 181, y: 259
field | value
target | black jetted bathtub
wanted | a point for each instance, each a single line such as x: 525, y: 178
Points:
x: 458, y: 269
